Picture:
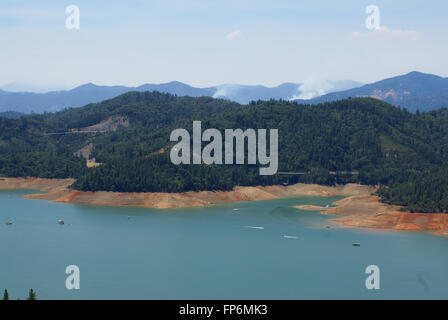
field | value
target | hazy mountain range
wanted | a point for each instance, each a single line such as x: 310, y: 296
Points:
x: 27, y: 102
x: 413, y: 91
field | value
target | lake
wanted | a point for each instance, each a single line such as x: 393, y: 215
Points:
x: 250, y: 250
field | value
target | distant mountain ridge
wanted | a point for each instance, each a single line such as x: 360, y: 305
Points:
x: 28, y: 102
x: 11, y: 114
x: 413, y: 91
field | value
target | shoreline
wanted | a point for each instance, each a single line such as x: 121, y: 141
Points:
x: 359, y: 209
x: 367, y: 211
x: 57, y: 190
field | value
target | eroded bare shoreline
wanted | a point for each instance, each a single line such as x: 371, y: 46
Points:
x: 359, y: 209
x: 366, y: 211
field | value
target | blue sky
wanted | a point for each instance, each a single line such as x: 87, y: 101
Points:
x: 209, y: 42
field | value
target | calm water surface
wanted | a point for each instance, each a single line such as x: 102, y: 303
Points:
x: 230, y: 251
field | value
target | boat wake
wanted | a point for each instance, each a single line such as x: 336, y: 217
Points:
x: 290, y: 237
x: 252, y: 227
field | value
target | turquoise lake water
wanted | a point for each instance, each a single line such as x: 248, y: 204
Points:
x: 210, y: 253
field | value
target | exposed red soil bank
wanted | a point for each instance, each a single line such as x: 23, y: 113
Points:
x: 359, y: 209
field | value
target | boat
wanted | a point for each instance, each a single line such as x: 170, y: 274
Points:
x: 61, y: 222
x: 8, y: 223
x: 356, y: 244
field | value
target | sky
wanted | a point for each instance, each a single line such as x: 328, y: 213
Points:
x: 210, y: 42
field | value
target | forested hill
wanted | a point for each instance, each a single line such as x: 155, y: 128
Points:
x: 355, y: 140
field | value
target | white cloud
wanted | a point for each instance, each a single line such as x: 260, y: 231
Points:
x: 386, y: 32
x: 234, y: 35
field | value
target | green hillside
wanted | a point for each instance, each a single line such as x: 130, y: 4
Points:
x: 355, y: 140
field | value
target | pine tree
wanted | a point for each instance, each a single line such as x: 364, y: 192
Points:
x: 32, y: 295
x: 5, y: 295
